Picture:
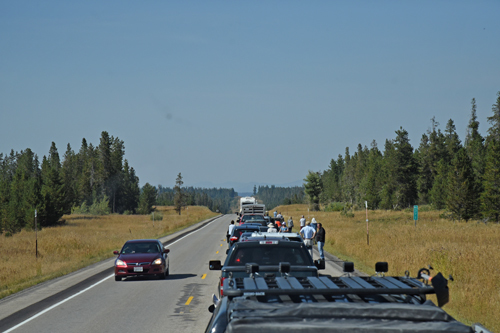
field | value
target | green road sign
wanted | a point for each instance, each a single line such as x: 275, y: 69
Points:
x: 415, y: 212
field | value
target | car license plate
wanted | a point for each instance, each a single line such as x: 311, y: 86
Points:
x: 137, y: 269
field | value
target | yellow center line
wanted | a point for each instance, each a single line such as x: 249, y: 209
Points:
x: 221, y: 245
x: 189, y: 300
x: 217, y: 252
x: 203, y: 276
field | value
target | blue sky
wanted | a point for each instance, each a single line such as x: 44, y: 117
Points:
x: 241, y: 91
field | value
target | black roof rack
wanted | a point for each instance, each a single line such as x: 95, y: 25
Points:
x: 347, y: 286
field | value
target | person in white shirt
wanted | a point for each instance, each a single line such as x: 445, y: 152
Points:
x: 308, y: 234
x: 302, y: 222
x: 272, y: 228
x: 230, y: 230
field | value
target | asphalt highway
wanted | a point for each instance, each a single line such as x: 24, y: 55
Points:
x: 91, y: 300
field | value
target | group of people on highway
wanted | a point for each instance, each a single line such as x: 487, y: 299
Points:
x: 310, y: 231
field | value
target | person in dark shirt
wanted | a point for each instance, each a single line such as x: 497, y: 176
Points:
x: 320, y: 239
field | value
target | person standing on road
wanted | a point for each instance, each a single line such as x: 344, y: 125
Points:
x: 275, y: 214
x: 314, y: 224
x: 302, y: 222
x: 320, y: 239
x: 290, y: 224
x: 230, y: 230
x: 308, y: 234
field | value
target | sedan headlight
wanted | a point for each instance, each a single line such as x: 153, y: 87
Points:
x: 119, y: 262
x: 157, y: 262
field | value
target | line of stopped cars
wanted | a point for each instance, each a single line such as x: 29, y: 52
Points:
x: 270, y: 283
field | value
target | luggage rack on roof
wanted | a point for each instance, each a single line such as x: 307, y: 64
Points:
x: 351, y: 288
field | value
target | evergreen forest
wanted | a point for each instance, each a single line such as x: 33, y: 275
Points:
x: 95, y: 180
x: 273, y: 196
x: 463, y: 178
x: 221, y: 200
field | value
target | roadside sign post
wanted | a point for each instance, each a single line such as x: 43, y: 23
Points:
x: 367, y: 234
x: 415, y: 214
x: 36, y: 237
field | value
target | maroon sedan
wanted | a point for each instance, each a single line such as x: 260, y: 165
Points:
x: 142, y: 257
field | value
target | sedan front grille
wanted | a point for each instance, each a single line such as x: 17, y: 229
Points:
x: 138, y: 263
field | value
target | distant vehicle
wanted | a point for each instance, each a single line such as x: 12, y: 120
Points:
x: 253, y: 219
x: 255, y: 209
x: 246, y: 201
x: 269, y: 255
x: 240, y: 229
x: 260, y: 302
x: 292, y: 236
x: 142, y: 257
x: 263, y: 228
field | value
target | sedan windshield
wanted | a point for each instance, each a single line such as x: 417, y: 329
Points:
x: 247, y: 218
x: 146, y: 247
x: 269, y: 255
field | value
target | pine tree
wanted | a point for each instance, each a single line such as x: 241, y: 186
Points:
x: 463, y: 194
x: 69, y: 176
x: 131, y: 191
x: 348, y: 183
x: 439, y: 192
x: 372, y: 182
x: 389, y: 184
x: 406, y: 169
x: 179, y: 199
x: 24, y: 193
x: 425, y: 176
x: 52, y: 191
x: 147, y: 199
x: 313, y: 189
x: 490, y: 198
x: 474, y: 145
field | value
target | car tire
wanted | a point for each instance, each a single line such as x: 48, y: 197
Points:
x: 118, y: 278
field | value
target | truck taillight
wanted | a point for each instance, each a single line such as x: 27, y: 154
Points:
x: 222, y: 286
x: 233, y: 239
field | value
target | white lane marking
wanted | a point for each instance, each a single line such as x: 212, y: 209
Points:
x: 57, y: 304
x: 84, y: 290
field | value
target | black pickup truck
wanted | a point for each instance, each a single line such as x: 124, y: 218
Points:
x: 334, y: 304
x: 269, y: 255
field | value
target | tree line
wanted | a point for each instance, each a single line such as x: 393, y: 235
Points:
x: 461, y: 177
x: 95, y: 176
x: 273, y: 196
x: 221, y: 200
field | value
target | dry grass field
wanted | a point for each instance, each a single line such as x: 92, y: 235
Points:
x: 470, y: 252
x: 81, y: 241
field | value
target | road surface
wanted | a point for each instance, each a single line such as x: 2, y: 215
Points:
x: 90, y: 300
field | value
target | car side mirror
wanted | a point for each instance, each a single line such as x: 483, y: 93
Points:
x: 211, y: 308
x: 166, y: 251
x: 214, y: 265
x: 320, y: 264
x: 116, y: 252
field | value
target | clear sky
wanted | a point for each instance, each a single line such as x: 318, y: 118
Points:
x: 241, y: 91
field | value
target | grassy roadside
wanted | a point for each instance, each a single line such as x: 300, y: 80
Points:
x: 81, y: 241
x: 468, y: 251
